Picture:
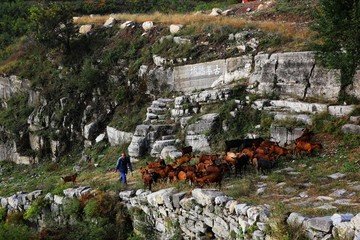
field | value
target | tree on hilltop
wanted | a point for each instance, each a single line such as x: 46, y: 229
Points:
x: 337, y: 23
x: 53, y: 24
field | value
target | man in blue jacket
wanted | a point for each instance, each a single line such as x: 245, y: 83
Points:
x: 122, y: 164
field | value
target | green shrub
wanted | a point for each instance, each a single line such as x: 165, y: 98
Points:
x: 2, y: 213
x: 14, y: 23
x: 101, y: 229
x: 72, y: 207
x: 351, y: 140
x: 290, y: 123
x: 272, y: 40
x: 220, y: 34
x: 356, y: 112
x: 324, y: 122
x: 36, y: 207
x: 124, y: 223
x: 91, y: 208
x: 128, y: 120
x: 59, y: 189
x: 14, y: 116
x: 143, y: 227
x: 10, y: 231
x: 350, y: 167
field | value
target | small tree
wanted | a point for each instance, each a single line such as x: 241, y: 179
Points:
x: 337, y: 23
x: 53, y: 24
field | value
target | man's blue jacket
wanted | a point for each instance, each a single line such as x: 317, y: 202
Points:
x: 123, y: 164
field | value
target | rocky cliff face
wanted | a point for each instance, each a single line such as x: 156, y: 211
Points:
x: 282, y: 75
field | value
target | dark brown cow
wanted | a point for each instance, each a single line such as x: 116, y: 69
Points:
x: 186, y: 150
x: 261, y: 164
x: 305, y: 136
x: 71, y: 178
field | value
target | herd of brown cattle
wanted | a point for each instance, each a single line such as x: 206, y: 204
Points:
x: 261, y: 154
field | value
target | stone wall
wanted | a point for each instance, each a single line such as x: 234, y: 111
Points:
x: 205, y: 213
x: 200, y: 214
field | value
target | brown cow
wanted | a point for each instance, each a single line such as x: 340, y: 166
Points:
x: 184, y: 159
x: 267, y: 144
x: 155, y: 164
x: 149, y: 179
x: 263, y: 150
x: 215, y: 177
x: 191, y: 176
x: 279, y: 151
x: 230, y: 157
x: 265, y: 156
x: 307, y: 146
x: 211, y: 158
x: 181, y: 176
x: 162, y: 171
x: 71, y: 178
x: 249, y: 152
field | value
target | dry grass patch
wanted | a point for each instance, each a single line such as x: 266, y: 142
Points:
x: 288, y: 30
x: 353, y: 156
x: 12, y: 54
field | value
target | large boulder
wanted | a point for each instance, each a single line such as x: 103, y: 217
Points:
x: 117, y: 137
x: 215, y: 12
x: 351, y: 128
x: 293, y: 74
x: 197, y: 133
x: 159, y: 145
x: 138, y: 146
x: 127, y: 24
x: 354, y: 88
x: 283, y: 135
x: 85, y: 29
x: 109, y: 22
x: 200, y: 143
x: 175, y: 28
x: 170, y: 152
x: 6, y: 151
x: 159, y: 79
x: 204, y: 125
x: 341, y: 110
x: 148, y: 25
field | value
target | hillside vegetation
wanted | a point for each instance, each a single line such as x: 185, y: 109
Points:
x: 81, y: 68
